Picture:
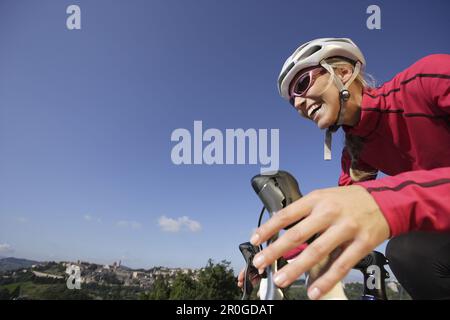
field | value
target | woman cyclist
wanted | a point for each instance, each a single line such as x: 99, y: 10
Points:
x: 402, y: 129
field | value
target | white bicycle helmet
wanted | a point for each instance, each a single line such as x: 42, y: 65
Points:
x: 314, y: 53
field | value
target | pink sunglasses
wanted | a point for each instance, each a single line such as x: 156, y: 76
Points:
x: 303, y: 81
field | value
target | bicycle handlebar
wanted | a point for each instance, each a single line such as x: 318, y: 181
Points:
x: 278, y: 190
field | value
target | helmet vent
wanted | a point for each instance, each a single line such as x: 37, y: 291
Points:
x: 309, y: 52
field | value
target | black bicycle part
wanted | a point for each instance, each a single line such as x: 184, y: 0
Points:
x: 276, y: 191
x: 249, y: 251
x: 374, y: 278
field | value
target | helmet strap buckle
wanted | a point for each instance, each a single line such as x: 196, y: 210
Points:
x: 344, y: 95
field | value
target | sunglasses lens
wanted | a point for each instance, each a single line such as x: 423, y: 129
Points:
x: 302, y: 84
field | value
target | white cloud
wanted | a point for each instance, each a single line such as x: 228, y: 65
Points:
x: 122, y: 223
x: 6, y: 248
x: 192, y: 225
x: 89, y: 218
x: 135, y: 225
x: 128, y: 224
x: 169, y: 224
x: 22, y: 220
x: 175, y: 225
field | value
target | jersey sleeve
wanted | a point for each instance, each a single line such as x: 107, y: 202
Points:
x: 435, y: 80
x: 415, y: 200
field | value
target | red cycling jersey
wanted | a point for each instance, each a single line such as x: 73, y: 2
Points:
x: 405, y: 126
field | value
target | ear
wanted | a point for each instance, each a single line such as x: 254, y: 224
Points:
x: 344, y: 73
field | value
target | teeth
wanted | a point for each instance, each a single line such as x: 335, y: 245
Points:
x: 313, y: 109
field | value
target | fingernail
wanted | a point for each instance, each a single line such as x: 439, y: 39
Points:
x: 254, y: 240
x: 314, y: 293
x: 258, y: 260
x: 279, y: 279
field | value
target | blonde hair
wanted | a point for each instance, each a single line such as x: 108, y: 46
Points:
x: 355, y: 144
x: 363, y: 79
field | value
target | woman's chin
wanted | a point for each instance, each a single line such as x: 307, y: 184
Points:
x: 324, y: 123
x: 325, y: 119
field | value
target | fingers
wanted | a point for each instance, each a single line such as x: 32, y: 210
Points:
x: 318, y: 250
x: 241, y: 274
x: 241, y: 278
x: 339, y: 269
x: 291, y: 239
x: 292, y: 213
x: 254, y: 279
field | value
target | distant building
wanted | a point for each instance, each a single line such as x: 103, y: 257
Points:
x: 47, y: 275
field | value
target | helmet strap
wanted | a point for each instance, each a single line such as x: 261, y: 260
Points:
x: 344, y: 96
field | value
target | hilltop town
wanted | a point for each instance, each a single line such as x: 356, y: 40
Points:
x: 108, y: 274
x: 23, y: 279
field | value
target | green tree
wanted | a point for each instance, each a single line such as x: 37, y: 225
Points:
x: 296, y: 293
x: 4, y: 294
x: 61, y: 292
x: 217, y: 282
x: 354, y: 290
x: 16, y: 292
x: 184, y: 287
x: 160, y: 290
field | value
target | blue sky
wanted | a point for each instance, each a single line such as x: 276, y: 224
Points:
x: 86, y: 117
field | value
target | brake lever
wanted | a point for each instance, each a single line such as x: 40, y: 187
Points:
x: 276, y: 191
x: 249, y: 251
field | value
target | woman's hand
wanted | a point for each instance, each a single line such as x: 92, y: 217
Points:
x: 241, y: 278
x: 253, y: 278
x: 346, y: 217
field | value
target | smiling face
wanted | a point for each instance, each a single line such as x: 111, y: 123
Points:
x: 320, y: 103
